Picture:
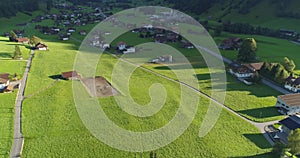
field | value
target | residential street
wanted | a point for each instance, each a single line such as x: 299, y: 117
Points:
x: 18, y: 137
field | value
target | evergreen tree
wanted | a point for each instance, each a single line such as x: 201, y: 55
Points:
x: 288, y: 64
x: 247, y: 51
x: 294, y: 142
x: 12, y: 36
x: 34, y: 40
x: 17, y: 53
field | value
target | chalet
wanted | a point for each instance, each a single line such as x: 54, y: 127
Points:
x: 121, y: 46
x: 24, y: 40
x: 70, y: 75
x: 160, y: 38
x: 289, y: 124
x: 41, y: 46
x: 8, y: 89
x: 56, y: 29
x: 292, y: 84
x: 4, y: 81
x: 162, y: 59
x: 186, y: 44
x: 288, y: 33
x: 233, y: 43
x: 288, y: 104
x: 70, y: 30
x: 172, y: 37
x: 64, y: 37
x: 239, y: 70
x: 82, y: 32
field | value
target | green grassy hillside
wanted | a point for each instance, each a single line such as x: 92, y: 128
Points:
x: 263, y: 13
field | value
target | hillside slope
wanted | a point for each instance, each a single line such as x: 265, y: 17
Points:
x: 266, y: 13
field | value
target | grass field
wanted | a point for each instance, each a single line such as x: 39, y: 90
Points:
x: 249, y: 101
x: 7, y: 101
x: 52, y: 126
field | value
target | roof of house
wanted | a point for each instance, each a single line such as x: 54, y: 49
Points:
x: 292, y: 122
x: 297, y: 81
x: 40, y: 45
x: 25, y: 39
x: 255, y: 66
x: 69, y: 74
x: 4, y: 78
x: 239, y: 68
x: 121, y: 43
x: 291, y: 99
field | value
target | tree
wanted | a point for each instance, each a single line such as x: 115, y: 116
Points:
x: 288, y: 64
x: 280, y: 73
x: 34, y: 40
x: 247, y: 50
x: 17, y: 53
x: 218, y: 30
x: 294, y: 141
x: 278, y: 149
x: 12, y: 36
x: 256, y: 78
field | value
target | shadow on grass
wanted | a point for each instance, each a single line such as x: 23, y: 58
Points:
x: 264, y: 155
x: 4, y: 40
x: 55, y: 77
x: 261, y: 113
x: 5, y: 55
x: 259, y: 140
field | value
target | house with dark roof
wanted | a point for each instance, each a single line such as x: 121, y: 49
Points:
x: 70, y: 75
x: 292, y: 84
x: 233, y: 43
x: 288, y: 104
x: 290, y: 123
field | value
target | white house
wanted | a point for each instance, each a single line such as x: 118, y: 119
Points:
x: 292, y: 84
x: 288, y: 104
x: 239, y: 70
x: 4, y: 81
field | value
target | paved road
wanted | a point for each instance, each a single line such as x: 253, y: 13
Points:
x: 17, y: 146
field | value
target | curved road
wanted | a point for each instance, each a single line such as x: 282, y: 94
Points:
x: 17, y: 146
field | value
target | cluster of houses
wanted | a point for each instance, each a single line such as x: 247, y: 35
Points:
x: 162, y: 35
x: 288, y: 104
x: 65, y: 19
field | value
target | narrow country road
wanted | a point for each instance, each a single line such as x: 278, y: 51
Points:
x: 18, y: 141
